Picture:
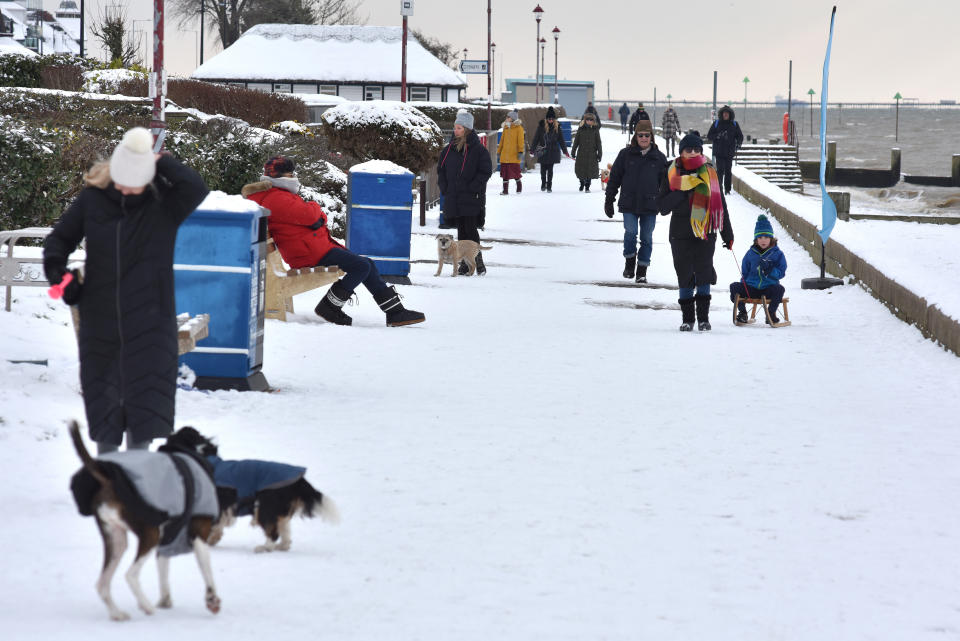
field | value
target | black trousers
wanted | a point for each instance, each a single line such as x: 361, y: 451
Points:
x: 546, y: 173
x: 467, y: 228
x: 725, y: 172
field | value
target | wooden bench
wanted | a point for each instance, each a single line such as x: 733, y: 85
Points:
x: 190, y: 329
x: 757, y: 302
x: 283, y: 284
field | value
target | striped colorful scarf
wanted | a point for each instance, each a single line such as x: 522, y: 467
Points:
x: 706, y: 207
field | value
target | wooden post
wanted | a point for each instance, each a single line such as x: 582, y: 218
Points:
x: 955, y: 170
x: 422, y: 185
x: 895, y: 165
x: 842, y: 200
x: 831, y: 172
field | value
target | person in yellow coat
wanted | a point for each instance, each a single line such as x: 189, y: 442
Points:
x: 510, y: 149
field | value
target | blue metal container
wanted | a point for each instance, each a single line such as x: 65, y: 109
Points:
x: 566, y: 128
x: 379, y: 211
x: 219, y: 269
x: 499, y: 134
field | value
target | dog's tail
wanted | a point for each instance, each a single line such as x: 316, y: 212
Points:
x: 88, y: 463
x: 323, y: 506
x: 486, y: 249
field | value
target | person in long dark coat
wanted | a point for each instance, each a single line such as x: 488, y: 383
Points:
x: 548, y: 137
x: 726, y: 136
x: 692, y: 194
x: 624, y: 114
x: 638, y: 115
x: 462, y: 172
x: 587, y: 151
x: 129, y: 213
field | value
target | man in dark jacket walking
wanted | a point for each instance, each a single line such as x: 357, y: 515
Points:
x: 639, y: 170
x: 726, y: 137
x: 638, y: 115
x: 624, y: 116
x: 128, y: 212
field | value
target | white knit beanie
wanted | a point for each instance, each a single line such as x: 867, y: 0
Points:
x: 464, y: 118
x: 133, y: 163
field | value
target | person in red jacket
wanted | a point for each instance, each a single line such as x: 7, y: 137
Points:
x: 299, y: 228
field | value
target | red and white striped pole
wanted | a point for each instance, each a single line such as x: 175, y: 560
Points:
x: 158, y: 125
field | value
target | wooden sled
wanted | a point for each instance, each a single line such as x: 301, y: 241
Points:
x: 760, y: 302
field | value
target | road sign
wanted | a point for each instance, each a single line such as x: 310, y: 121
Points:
x: 473, y: 66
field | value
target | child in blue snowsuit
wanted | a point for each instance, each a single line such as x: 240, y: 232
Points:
x: 763, y: 266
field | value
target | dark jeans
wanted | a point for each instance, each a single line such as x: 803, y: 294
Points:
x: 360, y: 269
x: 670, y: 145
x: 467, y: 228
x: 623, y: 123
x: 725, y: 172
x: 546, y: 173
x: 773, y: 293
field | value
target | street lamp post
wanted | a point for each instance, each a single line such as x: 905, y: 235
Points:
x: 543, y: 69
x: 745, y: 81
x: 146, y: 50
x: 538, y: 14
x: 810, y: 93
x: 556, y: 46
x: 489, y: 79
x: 493, y: 59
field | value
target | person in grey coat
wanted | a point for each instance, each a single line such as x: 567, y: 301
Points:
x: 671, y: 127
x: 587, y: 151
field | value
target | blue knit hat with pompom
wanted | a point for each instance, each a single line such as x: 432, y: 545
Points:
x: 763, y: 227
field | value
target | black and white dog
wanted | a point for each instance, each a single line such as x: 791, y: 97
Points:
x: 273, y: 493
x: 166, y: 498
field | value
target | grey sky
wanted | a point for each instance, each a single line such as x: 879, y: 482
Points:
x: 880, y: 47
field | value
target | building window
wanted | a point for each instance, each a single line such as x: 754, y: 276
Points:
x: 304, y: 88
x: 260, y: 86
x: 419, y: 94
x: 373, y: 93
x: 282, y: 87
x: 328, y: 90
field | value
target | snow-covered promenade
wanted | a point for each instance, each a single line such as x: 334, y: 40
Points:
x: 546, y: 457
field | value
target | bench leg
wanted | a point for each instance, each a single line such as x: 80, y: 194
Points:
x: 274, y: 306
x: 786, y: 314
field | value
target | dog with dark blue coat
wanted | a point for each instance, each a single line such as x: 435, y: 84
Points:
x: 271, y: 492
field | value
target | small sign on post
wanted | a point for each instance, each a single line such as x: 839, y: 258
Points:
x: 406, y: 7
x: 473, y: 66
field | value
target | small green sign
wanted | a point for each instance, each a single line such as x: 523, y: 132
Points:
x: 811, y: 92
x: 745, y: 79
x: 898, y: 96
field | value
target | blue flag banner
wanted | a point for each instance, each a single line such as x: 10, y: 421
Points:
x: 829, y: 208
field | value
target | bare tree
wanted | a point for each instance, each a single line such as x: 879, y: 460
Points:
x: 442, y: 50
x: 111, y: 30
x: 338, y: 12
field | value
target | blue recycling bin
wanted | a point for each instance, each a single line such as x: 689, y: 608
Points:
x: 379, y: 211
x: 219, y: 269
x: 566, y: 128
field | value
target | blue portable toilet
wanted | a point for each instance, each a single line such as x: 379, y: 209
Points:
x: 379, y: 214
x: 566, y: 128
x: 219, y: 269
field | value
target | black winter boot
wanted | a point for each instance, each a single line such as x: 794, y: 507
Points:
x: 481, y: 268
x: 506, y: 185
x: 463, y: 269
x: 519, y: 186
x: 581, y: 182
x: 389, y: 302
x: 549, y: 184
x: 586, y: 184
x: 703, y: 312
x: 330, y: 307
x: 641, y: 273
x: 629, y: 265
x: 686, y: 308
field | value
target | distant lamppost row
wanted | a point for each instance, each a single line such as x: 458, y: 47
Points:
x: 556, y: 45
x: 538, y: 14
x: 543, y: 69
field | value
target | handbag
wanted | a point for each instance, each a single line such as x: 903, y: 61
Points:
x: 540, y: 151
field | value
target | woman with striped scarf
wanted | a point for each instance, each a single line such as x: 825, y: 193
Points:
x: 693, y: 196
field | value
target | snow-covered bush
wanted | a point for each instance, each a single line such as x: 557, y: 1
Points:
x: 221, y: 150
x: 384, y: 130
x: 33, y: 175
x: 291, y: 128
x: 110, y: 80
x: 445, y: 114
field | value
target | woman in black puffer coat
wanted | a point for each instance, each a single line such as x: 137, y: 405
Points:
x: 550, y: 138
x: 129, y: 213
x: 463, y: 172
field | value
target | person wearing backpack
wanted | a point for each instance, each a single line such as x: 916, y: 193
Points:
x: 726, y: 137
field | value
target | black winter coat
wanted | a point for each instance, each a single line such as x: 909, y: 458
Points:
x: 692, y: 256
x: 725, y: 135
x: 640, y: 176
x: 552, y: 140
x: 638, y: 115
x: 463, y: 176
x: 624, y: 112
x: 128, y: 325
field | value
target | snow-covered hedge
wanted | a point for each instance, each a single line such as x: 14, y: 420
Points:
x: 444, y: 114
x: 384, y: 130
x: 33, y: 175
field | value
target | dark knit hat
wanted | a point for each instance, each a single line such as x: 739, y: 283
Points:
x: 278, y: 166
x: 691, y: 141
x: 551, y: 113
x: 763, y: 228
x: 643, y: 125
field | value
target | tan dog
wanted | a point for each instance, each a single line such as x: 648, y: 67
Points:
x: 605, y: 175
x: 453, y: 251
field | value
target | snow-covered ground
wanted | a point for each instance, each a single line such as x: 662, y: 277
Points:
x: 546, y: 457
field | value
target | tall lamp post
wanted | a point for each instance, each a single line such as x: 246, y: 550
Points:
x: 406, y: 10
x: 493, y: 59
x: 745, y: 81
x: 538, y: 14
x: 556, y: 45
x: 810, y: 93
x: 543, y: 69
x: 489, y: 79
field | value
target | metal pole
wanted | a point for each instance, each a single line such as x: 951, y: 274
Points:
x: 556, y: 48
x: 896, y: 131
x: 403, y: 63
x: 203, y: 9
x: 83, y: 27
x: 537, y: 52
x: 489, y: 85
x: 789, y: 97
x: 157, y: 124
x: 713, y: 115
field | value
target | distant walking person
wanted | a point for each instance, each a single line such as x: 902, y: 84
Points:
x: 592, y: 110
x: 463, y: 172
x: 726, y: 137
x: 587, y: 151
x: 510, y: 149
x: 638, y: 173
x: 624, y: 116
x: 692, y: 194
x: 128, y: 212
x: 638, y: 115
x: 547, y: 145
x: 671, y: 127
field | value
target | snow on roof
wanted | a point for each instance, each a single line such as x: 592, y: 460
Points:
x: 12, y: 47
x: 315, y: 53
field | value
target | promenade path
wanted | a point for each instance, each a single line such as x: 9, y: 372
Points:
x: 546, y: 457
